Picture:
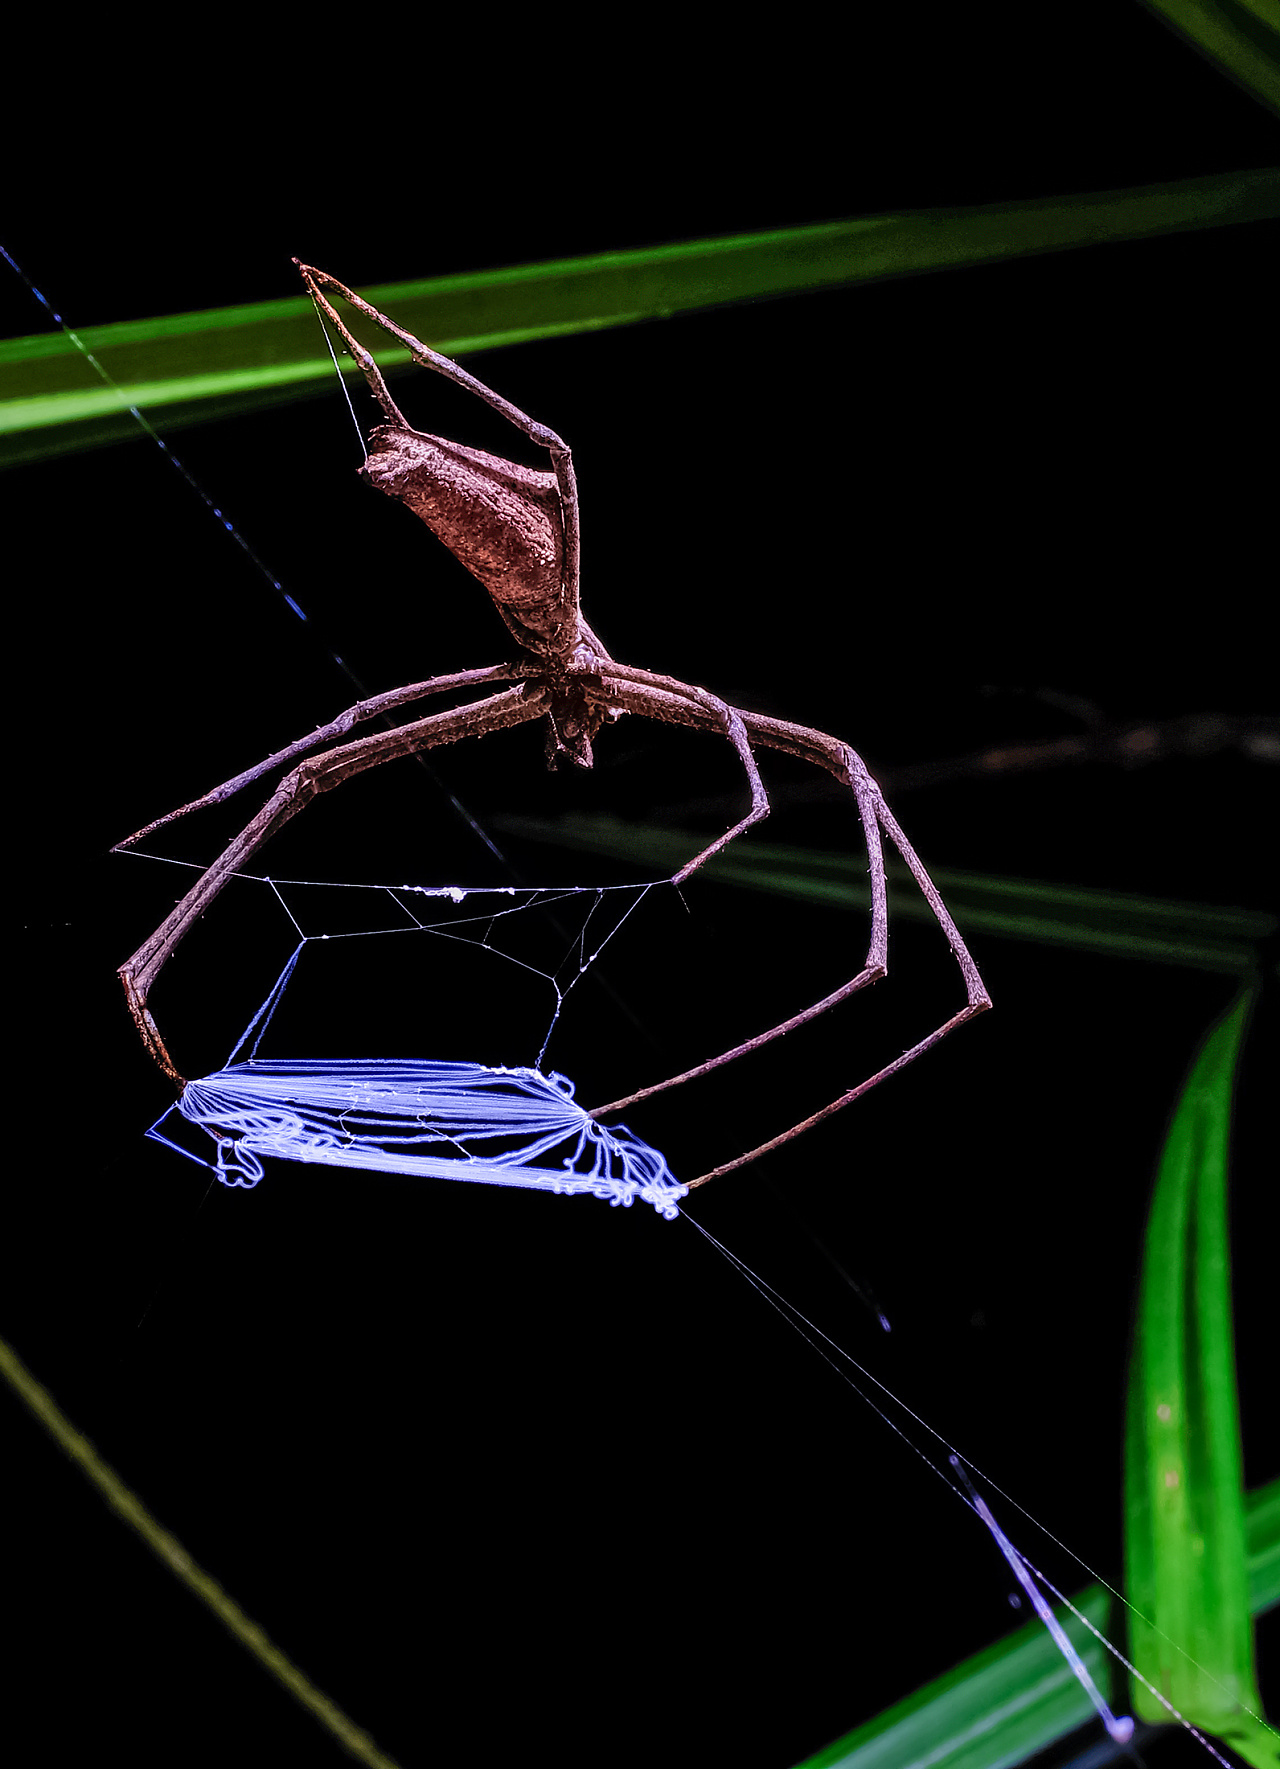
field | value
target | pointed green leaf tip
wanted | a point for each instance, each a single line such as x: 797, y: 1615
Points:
x: 1184, y: 1501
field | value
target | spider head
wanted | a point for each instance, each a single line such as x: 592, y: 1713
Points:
x: 573, y: 719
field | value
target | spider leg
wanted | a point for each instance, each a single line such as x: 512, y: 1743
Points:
x: 719, y: 712
x: 363, y: 709
x: 845, y: 1099
x: 296, y: 790
x: 978, y: 1000
x: 866, y: 795
x: 675, y: 702
x: 317, y: 281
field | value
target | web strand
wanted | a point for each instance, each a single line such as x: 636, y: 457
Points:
x: 263, y: 570
x: 834, y: 1356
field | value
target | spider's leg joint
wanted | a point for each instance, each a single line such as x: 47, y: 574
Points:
x: 856, y: 773
x: 149, y: 1031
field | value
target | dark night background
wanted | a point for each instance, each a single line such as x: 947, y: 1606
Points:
x: 506, y: 1473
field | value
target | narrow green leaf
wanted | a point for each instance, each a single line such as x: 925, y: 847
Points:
x: 1262, y: 1545
x: 1241, y: 37
x: 1196, y: 935
x: 171, y: 1554
x: 990, y: 1712
x: 1185, y: 1537
x: 193, y: 366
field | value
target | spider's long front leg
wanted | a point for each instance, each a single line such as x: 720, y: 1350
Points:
x: 138, y: 974
x: 375, y: 706
x: 676, y: 703
x: 817, y: 746
x: 666, y: 698
x: 978, y: 1002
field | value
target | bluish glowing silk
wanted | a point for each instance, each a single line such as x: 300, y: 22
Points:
x: 513, y: 1127
x: 1121, y: 1729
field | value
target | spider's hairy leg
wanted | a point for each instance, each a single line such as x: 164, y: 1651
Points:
x: 848, y: 767
x: 316, y: 282
x: 672, y: 702
x: 677, y: 703
x: 845, y: 1099
x: 975, y: 988
x: 377, y: 705
x: 319, y: 774
x: 978, y: 1000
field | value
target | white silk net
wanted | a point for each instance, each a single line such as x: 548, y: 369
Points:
x: 490, y: 1123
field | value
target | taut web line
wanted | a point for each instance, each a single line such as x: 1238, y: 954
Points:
x: 1120, y: 1729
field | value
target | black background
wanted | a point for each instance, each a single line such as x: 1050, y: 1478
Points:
x: 507, y: 1473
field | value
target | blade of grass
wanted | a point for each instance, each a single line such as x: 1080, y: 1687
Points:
x: 1262, y: 1547
x: 1115, y: 925
x: 169, y: 1551
x: 1184, y: 1509
x: 194, y: 366
x: 1241, y: 37
x: 990, y: 1712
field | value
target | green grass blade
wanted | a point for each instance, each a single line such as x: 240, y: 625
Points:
x: 188, y: 367
x: 990, y: 1712
x: 1262, y: 1547
x: 1242, y: 37
x: 1195, y: 935
x: 1018, y: 1697
x: 1185, y: 1537
x: 171, y: 1554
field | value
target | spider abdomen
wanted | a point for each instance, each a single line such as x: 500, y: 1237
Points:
x: 500, y: 520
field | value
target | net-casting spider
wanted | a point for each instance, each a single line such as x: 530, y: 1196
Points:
x: 516, y: 530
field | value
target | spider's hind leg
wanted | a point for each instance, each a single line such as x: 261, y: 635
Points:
x: 679, y: 703
x: 848, y: 766
x: 871, y: 804
x: 674, y: 701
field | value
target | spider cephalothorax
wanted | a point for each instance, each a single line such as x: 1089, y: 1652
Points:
x: 516, y: 530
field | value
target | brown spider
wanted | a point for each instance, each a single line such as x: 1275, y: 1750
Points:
x: 516, y: 530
